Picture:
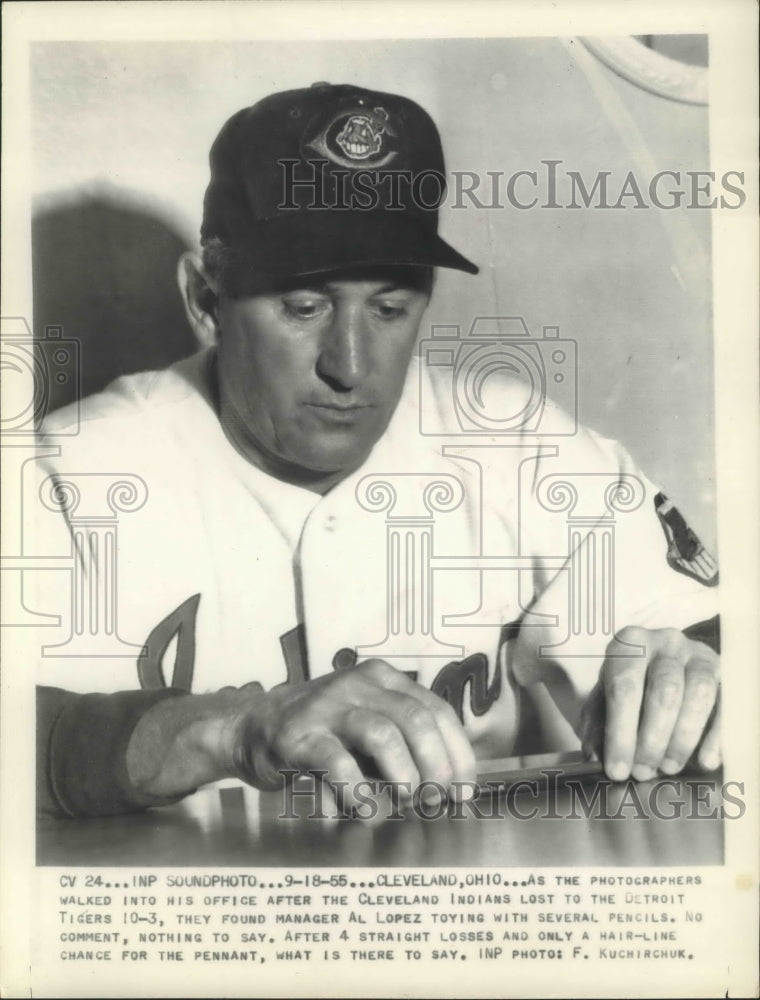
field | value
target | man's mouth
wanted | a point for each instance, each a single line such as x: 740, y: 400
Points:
x: 339, y: 412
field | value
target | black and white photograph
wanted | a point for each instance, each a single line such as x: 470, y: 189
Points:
x: 379, y: 450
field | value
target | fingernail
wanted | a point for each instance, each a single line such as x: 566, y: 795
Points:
x: 643, y: 772
x: 710, y: 760
x: 617, y: 770
x: 670, y: 766
x: 590, y: 754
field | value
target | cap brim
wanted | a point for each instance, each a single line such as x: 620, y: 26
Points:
x: 316, y: 241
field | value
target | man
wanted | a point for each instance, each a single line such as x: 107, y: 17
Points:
x: 323, y: 581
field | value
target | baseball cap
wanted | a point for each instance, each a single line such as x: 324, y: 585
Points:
x: 329, y: 177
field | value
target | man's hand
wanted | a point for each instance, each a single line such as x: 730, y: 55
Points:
x: 410, y: 734
x: 651, y: 712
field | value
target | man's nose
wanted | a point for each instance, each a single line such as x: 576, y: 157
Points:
x: 343, y: 359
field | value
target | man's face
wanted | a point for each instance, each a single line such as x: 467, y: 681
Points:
x: 310, y: 371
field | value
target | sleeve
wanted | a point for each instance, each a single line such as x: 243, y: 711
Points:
x: 608, y: 550
x: 82, y: 743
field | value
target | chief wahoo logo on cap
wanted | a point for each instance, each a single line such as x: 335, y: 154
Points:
x: 357, y: 136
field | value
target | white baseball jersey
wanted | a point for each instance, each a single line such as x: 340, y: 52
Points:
x: 478, y: 563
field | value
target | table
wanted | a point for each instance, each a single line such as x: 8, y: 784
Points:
x: 661, y: 822
x: 673, y: 822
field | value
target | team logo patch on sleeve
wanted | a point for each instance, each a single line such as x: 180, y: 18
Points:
x: 686, y: 554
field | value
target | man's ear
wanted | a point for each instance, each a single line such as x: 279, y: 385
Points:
x: 200, y: 298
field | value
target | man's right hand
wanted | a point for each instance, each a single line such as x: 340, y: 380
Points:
x: 410, y: 734
x: 371, y: 710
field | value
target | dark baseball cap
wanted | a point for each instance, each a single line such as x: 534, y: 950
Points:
x: 329, y: 177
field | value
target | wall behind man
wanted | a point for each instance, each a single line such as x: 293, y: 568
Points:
x: 120, y: 140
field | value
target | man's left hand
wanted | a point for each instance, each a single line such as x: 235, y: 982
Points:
x: 651, y: 712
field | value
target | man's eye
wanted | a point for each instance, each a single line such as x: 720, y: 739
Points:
x: 304, y: 308
x: 390, y: 310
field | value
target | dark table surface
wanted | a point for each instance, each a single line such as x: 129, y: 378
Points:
x: 673, y: 822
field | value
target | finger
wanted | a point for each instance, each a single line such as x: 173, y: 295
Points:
x: 710, y: 755
x: 457, y: 747
x: 419, y: 730
x: 663, y: 696
x: 623, y: 679
x: 377, y: 736
x: 455, y: 739
x: 591, y: 726
x: 322, y: 751
x: 366, y: 803
x: 330, y: 805
x: 700, y: 693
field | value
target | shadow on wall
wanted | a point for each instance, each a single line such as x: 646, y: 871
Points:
x: 106, y: 275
